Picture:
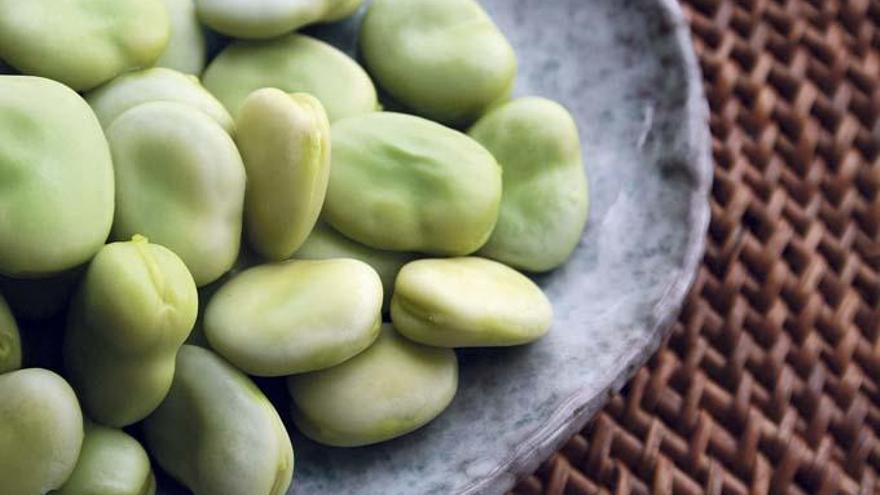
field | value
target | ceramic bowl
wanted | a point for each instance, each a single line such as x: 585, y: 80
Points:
x: 627, y: 71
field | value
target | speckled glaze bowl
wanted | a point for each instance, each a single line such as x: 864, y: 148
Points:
x: 627, y: 71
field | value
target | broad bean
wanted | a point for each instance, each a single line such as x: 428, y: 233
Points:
x: 110, y: 463
x: 293, y: 64
x: 56, y: 177
x: 397, y: 385
x: 82, y: 43
x: 132, y: 312
x: 158, y: 84
x: 403, y: 183
x: 41, y: 431
x: 295, y: 317
x: 185, y: 197
x: 187, y: 47
x: 545, y: 201
x: 468, y: 302
x: 261, y: 19
x: 284, y: 140
x: 217, y: 433
x: 444, y: 59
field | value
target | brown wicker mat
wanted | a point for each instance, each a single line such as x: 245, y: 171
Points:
x: 770, y: 382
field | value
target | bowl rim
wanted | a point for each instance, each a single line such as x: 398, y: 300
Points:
x: 578, y: 409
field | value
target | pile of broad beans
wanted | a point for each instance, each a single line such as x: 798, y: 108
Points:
x: 195, y: 222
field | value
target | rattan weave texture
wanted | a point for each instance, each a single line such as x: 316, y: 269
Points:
x: 770, y: 381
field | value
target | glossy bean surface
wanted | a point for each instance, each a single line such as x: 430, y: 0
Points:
x: 56, y: 179
x: 545, y: 202
x: 261, y: 19
x: 284, y: 140
x: 444, y: 59
x: 397, y: 385
x: 217, y: 433
x: 111, y: 462
x: 82, y: 43
x: 158, y: 84
x: 295, y: 317
x: 187, y: 198
x: 404, y: 183
x: 187, y: 47
x: 41, y: 431
x: 293, y: 63
x: 468, y: 302
x: 132, y: 312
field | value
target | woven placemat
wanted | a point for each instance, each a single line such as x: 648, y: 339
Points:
x: 770, y: 381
